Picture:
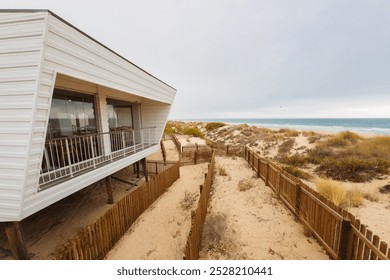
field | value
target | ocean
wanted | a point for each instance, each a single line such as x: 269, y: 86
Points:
x: 360, y: 126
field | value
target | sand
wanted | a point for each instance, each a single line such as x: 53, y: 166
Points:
x: 160, y: 233
x: 251, y: 223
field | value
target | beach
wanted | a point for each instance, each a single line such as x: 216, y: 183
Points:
x: 250, y: 224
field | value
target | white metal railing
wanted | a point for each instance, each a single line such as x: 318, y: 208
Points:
x: 66, y: 157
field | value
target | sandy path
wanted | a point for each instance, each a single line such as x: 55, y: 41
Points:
x: 170, y: 148
x: 160, y: 233
x: 251, y: 224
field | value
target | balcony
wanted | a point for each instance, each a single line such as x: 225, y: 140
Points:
x: 68, y: 157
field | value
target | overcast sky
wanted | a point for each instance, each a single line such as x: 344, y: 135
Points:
x: 237, y: 59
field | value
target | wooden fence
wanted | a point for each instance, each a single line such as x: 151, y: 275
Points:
x: 96, y: 240
x: 177, y: 143
x: 195, y: 236
x: 229, y: 150
x: 156, y: 166
x: 342, y: 235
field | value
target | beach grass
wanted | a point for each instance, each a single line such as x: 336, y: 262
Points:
x: 214, y: 125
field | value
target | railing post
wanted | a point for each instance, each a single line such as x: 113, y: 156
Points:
x: 267, y: 174
x: 344, y: 239
x: 142, y: 138
x: 123, y: 143
x: 133, y: 140
x: 227, y: 150
x: 68, y: 155
x: 258, y: 167
x: 195, y: 156
x: 149, y: 140
x: 93, y: 152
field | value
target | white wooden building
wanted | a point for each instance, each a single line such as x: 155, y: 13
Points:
x: 72, y: 111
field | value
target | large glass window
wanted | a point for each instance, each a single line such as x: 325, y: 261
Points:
x: 120, y: 115
x: 71, y: 113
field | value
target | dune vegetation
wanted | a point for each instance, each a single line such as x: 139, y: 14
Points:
x: 345, y: 156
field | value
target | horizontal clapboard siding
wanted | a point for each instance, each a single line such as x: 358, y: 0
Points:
x: 72, y: 53
x: 155, y: 114
x: 40, y: 51
x: 21, y: 39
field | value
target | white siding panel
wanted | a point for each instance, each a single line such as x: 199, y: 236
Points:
x: 99, y: 65
x: 20, y: 43
x: 155, y: 114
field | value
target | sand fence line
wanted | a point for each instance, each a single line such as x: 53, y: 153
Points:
x: 341, y: 233
x: 198, y: 217
x: 94, y: 241
x: 193, y: 154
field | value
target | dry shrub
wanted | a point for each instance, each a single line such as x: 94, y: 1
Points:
x: 295, y: 160
x: 353, y: 169
x: 214, y: 125
x: 373, y: 197
x: 286, y: 146
x: 288, y: 132
x: 332, y: 190
x: 222, y: 171
x: 342, y: 139
x: 378, y: 147
x: 245, y: 184
x: 336, y: 193
x: 193, y: 131
x: 354, y: 197
x: 188, y: 200
x: 214, y: 228
x: 297, y: 172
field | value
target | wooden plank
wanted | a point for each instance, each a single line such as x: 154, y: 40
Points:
x: 375, y: 242
x: 362, y: 230
x: 362, y: 238
x: 383, y: 248
x: 367, y: 250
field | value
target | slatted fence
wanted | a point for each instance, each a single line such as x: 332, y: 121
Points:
x: 342, y: 235
x: 94, y: 241
x: 194, y: 238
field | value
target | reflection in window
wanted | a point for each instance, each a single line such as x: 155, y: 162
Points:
x: 71, y: 114
x: 119, y: 114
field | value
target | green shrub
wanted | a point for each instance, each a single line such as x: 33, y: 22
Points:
x: 168, y: 129
x: 353, y: 169
x: 295, y: 160
x: 297, y: 172
x: 214, y: 125
x: 193, y: 131
x: 289, y: 132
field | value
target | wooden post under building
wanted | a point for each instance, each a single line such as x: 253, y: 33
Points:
x: 144, y: 167
x: 109, y: 190
x: 16, y: 240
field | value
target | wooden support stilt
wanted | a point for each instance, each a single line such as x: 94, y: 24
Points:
x: 144, y: 167
x: 109, y: 190
x: 16, y: 240
x: 137, y: 167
